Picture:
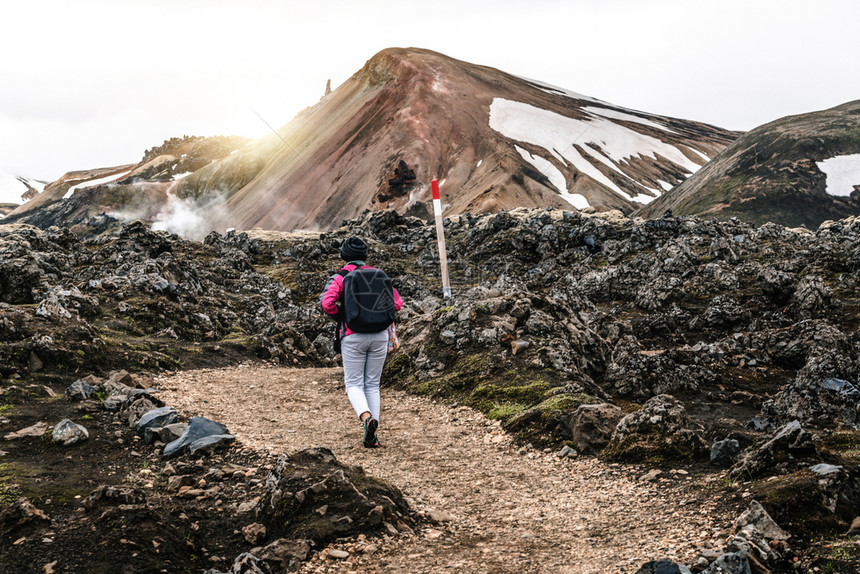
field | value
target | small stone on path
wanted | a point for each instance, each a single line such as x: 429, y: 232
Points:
x: 650, y: 476
x: 440, y: 516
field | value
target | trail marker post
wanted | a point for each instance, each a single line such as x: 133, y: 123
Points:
x: 440, y: 239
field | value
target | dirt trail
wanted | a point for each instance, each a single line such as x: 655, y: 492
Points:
x: 513, y: 510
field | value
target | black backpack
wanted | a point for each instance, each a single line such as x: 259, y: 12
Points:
x: 368, y: 300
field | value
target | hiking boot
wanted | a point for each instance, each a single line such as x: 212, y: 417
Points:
x: 370, y: 425
x: 375, y: 442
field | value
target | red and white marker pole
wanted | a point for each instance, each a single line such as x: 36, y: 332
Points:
x: 440, y: 238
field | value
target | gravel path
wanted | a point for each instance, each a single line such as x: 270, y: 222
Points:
x: 504, y: 508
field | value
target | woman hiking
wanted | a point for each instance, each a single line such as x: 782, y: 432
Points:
x: 363, y: 301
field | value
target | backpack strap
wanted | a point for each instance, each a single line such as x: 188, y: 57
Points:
x: 342, y: 273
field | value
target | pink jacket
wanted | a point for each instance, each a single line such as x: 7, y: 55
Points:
x: 334, y: 291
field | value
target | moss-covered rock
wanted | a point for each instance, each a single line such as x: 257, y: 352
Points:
x: 656, y: 434
x: 548, y: 422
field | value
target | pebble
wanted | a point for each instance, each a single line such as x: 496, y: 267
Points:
x: 650, y: 476
x: 338, y: 554
x: 440, y: 516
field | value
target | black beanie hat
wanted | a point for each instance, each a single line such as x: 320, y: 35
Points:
x: 353, y: 249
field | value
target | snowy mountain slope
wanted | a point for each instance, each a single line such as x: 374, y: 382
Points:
x: 495, y: 141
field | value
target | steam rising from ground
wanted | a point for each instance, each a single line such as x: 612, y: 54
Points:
x: 190, y: 218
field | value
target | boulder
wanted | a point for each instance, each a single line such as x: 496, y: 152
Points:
x: 136, y: 410
x: 80, y: 390
x: 789, y: 442
x: 199, y: 428
x: 156, y: 418
x: 245, y: 563
x: 119, y: 380
x: 592, y: 426
x: 821, y: 393
x: 69, y: 433
x: 285, y: 554
x: 811, y: 297
x: 658, y: 432
x: 165, y: 434
x: 310, y: 495
x: 254, y: 533
x: 725, y: 452
x: 757, y: 516
x: 635, y: 373
x: 210, y: 443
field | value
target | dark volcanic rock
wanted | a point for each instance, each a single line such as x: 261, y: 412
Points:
x: 310, y: 494
x: 730, y: 563
x: 403, y: 181
x: 725, y: 452
x: 635, y: 372
x: 787, y: 444
x: 658, y: 432
x: 592, y: 426
x: 820, y: 395
x: 156, y: 418
x: 80, y: 390
x: 201, y: 433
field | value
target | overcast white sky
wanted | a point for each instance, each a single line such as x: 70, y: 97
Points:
x: 94, y: 83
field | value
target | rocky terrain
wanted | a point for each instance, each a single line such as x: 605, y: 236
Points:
x: 717, y: 349
x: 777, y: 172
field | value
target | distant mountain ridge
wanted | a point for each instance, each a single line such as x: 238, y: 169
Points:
x: 797, y: 170
x: 495, y: 141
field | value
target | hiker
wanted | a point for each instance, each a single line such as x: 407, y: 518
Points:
x: 363, y: 302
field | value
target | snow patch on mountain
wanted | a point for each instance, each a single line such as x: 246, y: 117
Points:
x: 625, y: 117
x: 94, y: 182
x: 552, y: 173
x: 843, y: 174
x: 601, y: 140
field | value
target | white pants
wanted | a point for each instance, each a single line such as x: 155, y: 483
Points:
x: 363, y: 357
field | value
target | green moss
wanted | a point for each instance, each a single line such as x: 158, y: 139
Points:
x: 543, y: 424
x: 505, y: 411
x: 485, y: 396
